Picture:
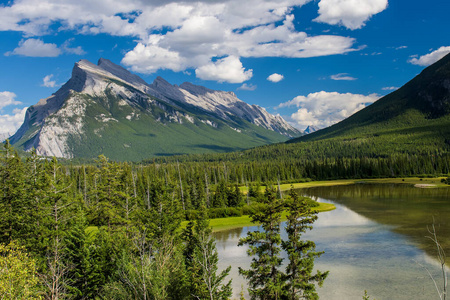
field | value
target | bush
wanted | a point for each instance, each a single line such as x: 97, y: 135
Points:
x: 223, y: 212
x: 18, y: 278
x: 312, y: 203
x: 191, y: 214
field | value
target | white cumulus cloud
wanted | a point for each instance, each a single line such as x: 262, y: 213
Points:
x: 48, y: 82
x: 9, y: 123
x: 76, y: 50
x: 430, y: 58
x: 36, y: 48
x: 275, y: 77
x: 228, y: 69
x: 342, y: 76
x: 323, y: 109
x: 175, y: 35
x: 352, y: 14
x: 150, y: 58
x: 247, y: 87
x: 8, y: 98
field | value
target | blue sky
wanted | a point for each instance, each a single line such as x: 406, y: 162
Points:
x: 313, y: 62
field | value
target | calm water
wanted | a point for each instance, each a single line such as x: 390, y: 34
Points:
x: 374, y: 241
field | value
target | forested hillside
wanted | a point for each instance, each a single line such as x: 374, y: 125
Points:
x: 420, y: 109
x: 112, y: 230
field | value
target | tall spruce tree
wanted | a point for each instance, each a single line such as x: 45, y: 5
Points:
x: 265, y: 279
x: 84, y: 271
x: 202, y: 259
x: 14, y: 203
x: 54, y: 226
x: 301, y: 254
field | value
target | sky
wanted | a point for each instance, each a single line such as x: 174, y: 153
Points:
x: 314, y: 62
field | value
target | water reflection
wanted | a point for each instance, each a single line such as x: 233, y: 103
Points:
x: 407, y: 209
x: 364, y: 250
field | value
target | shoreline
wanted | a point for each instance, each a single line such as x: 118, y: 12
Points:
x: 220, y: 224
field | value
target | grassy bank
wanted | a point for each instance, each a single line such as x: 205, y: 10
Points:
x: 433, y: 182
x: 242, y: 221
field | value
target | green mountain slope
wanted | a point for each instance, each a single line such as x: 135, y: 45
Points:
x: 416, y: 113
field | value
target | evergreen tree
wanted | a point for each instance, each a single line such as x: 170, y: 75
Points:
x: 235, y: 198
x: 301, y: 254
x: 83, y: 270
x: 109, y: 194
x: 264, y: 277
x: 54, y: 226
x: 14, y: 203
x: 206, y: 282
x: 220, y: 198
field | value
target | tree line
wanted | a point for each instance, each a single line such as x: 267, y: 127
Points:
x: 112, y: 230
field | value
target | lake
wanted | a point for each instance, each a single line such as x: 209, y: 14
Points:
x: 375, y: 240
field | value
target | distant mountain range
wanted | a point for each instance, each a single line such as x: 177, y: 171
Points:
x: 418, y: 112
x: 310, y: 129
x: 105, y: 109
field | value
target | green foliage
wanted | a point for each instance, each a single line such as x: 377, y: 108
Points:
x: 18, y: 278
x: 14, y: 201
x: 366, y: 296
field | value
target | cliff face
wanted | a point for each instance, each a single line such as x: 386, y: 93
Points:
x: 105, y: 100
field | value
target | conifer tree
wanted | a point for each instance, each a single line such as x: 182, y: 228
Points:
x: 301, y: 253
x: 109, y: 194
x: 14, y: 203
x: 83, y: 270
x: 264, y: 277
x: 202, y: 260
x: 220, y: 198
x: 235, y: 198
x: 56, y: 204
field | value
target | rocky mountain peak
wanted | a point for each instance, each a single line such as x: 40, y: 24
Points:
x: 120, y: 72
x: 105, y: 103
x: 195, y: 89
x: 161, y: 83
x: 310, y: 129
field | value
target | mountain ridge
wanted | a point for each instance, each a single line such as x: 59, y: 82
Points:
x: 106, y: 100
x: 423, y: 99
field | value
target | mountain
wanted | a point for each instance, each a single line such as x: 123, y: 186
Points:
x: 417, y: 113
x: 310, y: 129
x: 105, y: 109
